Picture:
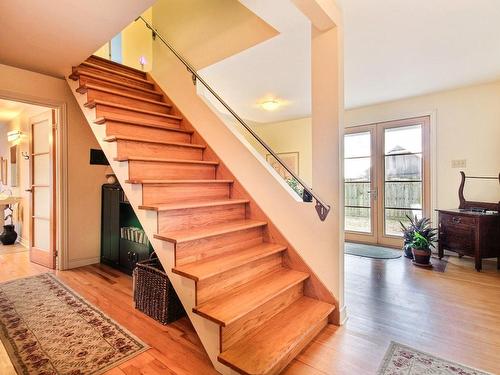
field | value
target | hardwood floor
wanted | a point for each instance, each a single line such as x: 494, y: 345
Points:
x: 453, y: 314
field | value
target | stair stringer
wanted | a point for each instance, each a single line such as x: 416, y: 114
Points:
x: 208, y: 331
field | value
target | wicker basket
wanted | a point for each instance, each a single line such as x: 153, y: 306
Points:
x: 154, y: 294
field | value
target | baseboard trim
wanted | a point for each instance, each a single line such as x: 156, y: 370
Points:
x: 343, y: 315
x: 22, y: 241
x: 82, y: 262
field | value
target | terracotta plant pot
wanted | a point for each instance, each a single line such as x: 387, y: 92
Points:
x: 421, y: 257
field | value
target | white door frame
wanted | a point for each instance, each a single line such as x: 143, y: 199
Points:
x: 61, y: 162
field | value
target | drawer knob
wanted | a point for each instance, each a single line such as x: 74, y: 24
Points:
x: 456, y: 220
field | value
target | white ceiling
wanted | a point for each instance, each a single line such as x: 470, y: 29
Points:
x: 50, y: 36
x: 396, y: 49
x: 393, y: 49
x: 10, y: 109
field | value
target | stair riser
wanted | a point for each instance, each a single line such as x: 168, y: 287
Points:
x: 122, y: 129
x: 137, y: 148
x: 199, y: 217
x: 224, y: 282
x: 118, y: 68
x: 149, y: 170
x: 170, y: 193
x: 117, y: 77
x: 207, y: 247
x: 83, y: 79
x: 123, y: 100
x: 103, y: 110
x: 234, y: 332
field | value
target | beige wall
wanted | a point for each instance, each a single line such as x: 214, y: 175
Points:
x: 466, y: 126
x: 288, y: 136
x: 137, y: 41
x: 205, y: 32
x: 84, y: 180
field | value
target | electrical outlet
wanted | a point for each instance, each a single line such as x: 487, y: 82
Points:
x: 462, y: 163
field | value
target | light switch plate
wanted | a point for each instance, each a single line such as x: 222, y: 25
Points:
x: 462, y: 163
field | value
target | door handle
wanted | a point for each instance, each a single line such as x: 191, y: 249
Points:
x: 29, y: 190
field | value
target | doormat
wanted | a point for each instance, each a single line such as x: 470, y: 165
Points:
x: 404, y: 360
x: 48, y: 329
x: 370, y: 251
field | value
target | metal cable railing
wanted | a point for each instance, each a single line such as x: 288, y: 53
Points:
x: 308, y: 195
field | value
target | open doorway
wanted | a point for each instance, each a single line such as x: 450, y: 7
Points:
x: 28, y: 180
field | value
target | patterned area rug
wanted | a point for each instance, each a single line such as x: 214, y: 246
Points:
x: 47, y: 329
x: 404, y: 360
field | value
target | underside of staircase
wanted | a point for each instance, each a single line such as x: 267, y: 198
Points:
x: 245, y: 279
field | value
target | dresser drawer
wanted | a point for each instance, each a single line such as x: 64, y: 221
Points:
x: 450, y: 220
x: 457, y: 237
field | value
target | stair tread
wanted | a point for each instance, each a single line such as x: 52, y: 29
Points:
x: 122, y: 74
x: 76, y: 73
x: 94, y: 102
x: 261, y: 352
x: 102, y: 120
x: 83, y: 88
x: 181, y: 236
x: 166, y: 160
x: 98, y: 58
x: 114, y: 138
x: 193, y: 204
x: 229, y: 307
x: 206, y: 268
x: 156, y: 182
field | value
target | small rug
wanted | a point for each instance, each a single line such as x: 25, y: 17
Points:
x: 47, y: 329
x: 404, y: 360
x: 370, y: 251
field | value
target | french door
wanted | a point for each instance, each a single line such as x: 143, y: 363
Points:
x: 386, y: 177
x: 42, y: 181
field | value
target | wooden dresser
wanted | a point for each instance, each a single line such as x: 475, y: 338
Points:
x: 473, y: 229
x: 466, y: 232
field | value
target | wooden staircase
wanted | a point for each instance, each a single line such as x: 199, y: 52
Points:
x: 222, y: 242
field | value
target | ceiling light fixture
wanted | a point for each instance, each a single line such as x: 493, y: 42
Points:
x: 270, y: 105
x: 13, y: 135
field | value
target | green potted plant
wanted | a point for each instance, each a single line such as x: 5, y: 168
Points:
x: 421, y: 243
x: 422, y: 226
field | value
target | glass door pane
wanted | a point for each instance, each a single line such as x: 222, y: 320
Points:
x: 357, y: 182
x: 403, y: 189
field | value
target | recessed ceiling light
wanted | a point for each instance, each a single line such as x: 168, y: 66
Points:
x: 270, y: 105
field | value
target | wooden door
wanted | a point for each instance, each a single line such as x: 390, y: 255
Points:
x: 360, y: 184
x: 404, y: 175
x: 42, y: 244
x: 386, y: 177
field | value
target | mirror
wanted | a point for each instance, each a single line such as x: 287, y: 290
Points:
x: 14, y: 163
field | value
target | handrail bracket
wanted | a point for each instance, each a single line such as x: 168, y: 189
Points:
x: 322, y: 210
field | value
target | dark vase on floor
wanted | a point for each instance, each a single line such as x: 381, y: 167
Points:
x: 9, y: 235
x: 407, y: 252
